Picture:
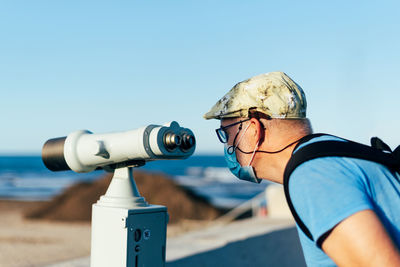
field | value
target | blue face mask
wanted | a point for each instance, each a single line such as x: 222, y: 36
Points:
x: 243, y: 173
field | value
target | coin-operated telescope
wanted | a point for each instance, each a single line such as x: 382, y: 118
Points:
x: 126, y: 230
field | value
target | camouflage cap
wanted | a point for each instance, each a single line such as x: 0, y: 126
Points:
x: 274, y: 94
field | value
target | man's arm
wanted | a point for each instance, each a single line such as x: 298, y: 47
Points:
x: 361, y: 240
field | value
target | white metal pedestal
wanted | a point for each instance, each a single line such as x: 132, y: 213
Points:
x: 126, y: 231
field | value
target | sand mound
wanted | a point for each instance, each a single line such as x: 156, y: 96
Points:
x: 75, y: 203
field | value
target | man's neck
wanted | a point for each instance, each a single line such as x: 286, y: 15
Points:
x: 272, y: 166
x: 274, y: 169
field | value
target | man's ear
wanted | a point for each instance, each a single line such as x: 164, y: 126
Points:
x: 258, y: 130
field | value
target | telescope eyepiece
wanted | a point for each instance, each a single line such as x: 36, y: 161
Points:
x: 188, y: 141
x: 184, y: 141
x: 172, y: 141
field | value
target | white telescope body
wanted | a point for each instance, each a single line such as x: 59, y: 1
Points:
x: 83, y: 151
x: 126, y: 230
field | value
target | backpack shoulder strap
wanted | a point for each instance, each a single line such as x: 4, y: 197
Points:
x: 332, y: 149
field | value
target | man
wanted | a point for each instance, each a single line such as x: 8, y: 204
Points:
x: 350, y: 206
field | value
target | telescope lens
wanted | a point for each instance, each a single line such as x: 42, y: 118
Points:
x: 172, y: 140
x: 188, y: 141
x: 53, y: 154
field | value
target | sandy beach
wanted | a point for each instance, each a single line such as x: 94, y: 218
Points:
x: 27, y: 242
x: 37, y: 242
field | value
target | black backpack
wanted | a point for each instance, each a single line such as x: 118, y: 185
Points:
x: 378, y: 152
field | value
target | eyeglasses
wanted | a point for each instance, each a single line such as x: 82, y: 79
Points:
x: 223, y: 134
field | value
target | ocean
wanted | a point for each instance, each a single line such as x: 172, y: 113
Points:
x: 26, y: 178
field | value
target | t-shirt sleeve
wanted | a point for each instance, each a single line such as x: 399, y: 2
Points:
x: 325, y: 191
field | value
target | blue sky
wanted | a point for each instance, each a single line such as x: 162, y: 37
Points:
x: 118, y: 65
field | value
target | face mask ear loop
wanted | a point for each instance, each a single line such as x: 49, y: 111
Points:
x: 254, y: 153
x: 240, y: 139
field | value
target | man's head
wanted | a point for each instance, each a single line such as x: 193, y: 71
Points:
x: 260, y: 118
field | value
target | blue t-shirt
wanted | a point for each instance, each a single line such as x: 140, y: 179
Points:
x: 327, y: 190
